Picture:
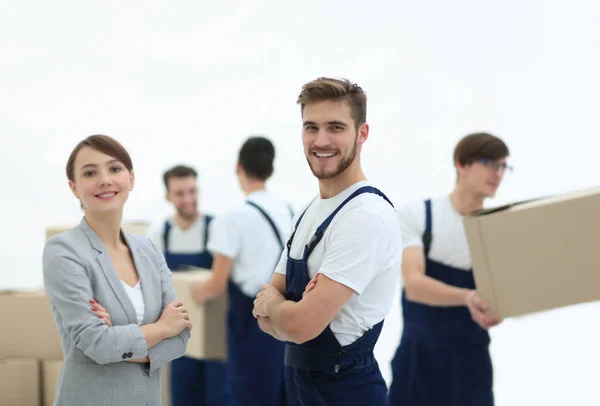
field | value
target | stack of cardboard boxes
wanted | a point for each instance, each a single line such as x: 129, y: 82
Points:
x: 30, y: 350
x: 31, y: 356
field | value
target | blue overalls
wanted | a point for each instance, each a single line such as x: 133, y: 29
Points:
x: 321, y: 372
x: 254, y: 358
x: 195, y: 382
x: 443, y: 358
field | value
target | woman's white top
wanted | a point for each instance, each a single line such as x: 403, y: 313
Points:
x: 135, y: 295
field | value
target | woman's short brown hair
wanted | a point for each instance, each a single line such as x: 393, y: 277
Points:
x: 102, y: 143
x: 479, y: 146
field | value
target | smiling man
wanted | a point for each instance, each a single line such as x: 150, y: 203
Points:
x: 443, y: 357
x: 352, y: 239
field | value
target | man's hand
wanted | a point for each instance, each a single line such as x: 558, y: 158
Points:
x: 268, y: 296
x: 199, y: 292
x: 477, y: 308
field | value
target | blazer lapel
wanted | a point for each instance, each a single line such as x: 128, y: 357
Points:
x: 143, y: 265
x: 109, y: 271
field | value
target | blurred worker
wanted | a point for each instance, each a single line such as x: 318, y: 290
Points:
x: 182, y: 238
x: 443, y: 358
x: 247, y: 242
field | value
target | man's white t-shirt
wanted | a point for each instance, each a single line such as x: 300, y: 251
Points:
x: 188, y: 241
x: 361, y: 249
x: 449, y: 242
x: 244, y: 235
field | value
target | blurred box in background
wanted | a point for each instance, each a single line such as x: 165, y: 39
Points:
x: 19, y: 382
x: 50, y: 373
x: 134, y: 227
x: 29, y: 330
x: 208, y: 335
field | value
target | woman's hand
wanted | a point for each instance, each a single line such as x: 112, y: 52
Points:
x: 174, y: 319
x: 101, y: 312
x: 311, y: 285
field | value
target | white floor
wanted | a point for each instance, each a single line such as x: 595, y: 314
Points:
x: 548, y: 359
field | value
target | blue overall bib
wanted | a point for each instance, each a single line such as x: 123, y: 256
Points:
x: 321, y: 372
x: 254, y: 358
x: 194, y: 382
x: 443, y: 358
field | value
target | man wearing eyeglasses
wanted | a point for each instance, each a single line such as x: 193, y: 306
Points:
x: 443, y: 358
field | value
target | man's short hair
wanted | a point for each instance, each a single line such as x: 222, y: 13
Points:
x: 178, y: 171
x: 477, y: 146
x: 256, y: 157
x: 329, y: 89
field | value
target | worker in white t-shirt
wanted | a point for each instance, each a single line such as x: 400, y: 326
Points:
x: 443, y: 358
x: 182, y: 239
x: 348, y: 236
x: 247, y: 242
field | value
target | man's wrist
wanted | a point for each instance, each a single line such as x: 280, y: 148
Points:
x: 272, y: 304
x: 465, y: 295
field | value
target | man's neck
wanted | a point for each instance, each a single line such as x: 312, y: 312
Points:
x: 329, y: 188
x: 254, y: 186
x: 108, y: 228
x: 465, y: 201
x: 185, y: 222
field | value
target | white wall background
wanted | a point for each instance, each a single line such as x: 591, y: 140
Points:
x: 187, y: 81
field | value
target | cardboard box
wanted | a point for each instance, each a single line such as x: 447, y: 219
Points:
x: 50, y: 373
x: 537, y: 255
x: 19, y: 382
x: 134, y: 227
x: 208, y: 337
x: 29, y: 330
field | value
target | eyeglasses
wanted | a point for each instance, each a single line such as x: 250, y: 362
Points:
x: 495, y: 165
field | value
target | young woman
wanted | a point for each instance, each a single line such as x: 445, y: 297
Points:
x: 110, y: 291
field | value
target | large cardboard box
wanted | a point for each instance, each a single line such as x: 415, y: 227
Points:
x: 19, y: 382
x: 208, y: 336
x: 28, y: 328
x: 134, y: 227
x: 537, y: 255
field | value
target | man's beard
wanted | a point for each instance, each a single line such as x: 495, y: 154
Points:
x: 187, y: 216
x: 343, y: 164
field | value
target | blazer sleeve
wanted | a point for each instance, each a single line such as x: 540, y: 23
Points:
x: 68, y: 287
x: 174, y: 347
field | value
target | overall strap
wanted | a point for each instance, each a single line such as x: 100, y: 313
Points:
x: 289, y: 243
x: 321, y: 230
x: 207, y: 220
x: 271, y: 223
x: 426, y: 238
x: 166, y: 231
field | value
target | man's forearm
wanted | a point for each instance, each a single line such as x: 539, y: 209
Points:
x: 284, y: 319
x: 426, y: 290
x: 207, y: 290
x: 265, y: 325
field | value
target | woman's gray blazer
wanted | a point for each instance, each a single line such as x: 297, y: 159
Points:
x: 95, y: 372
